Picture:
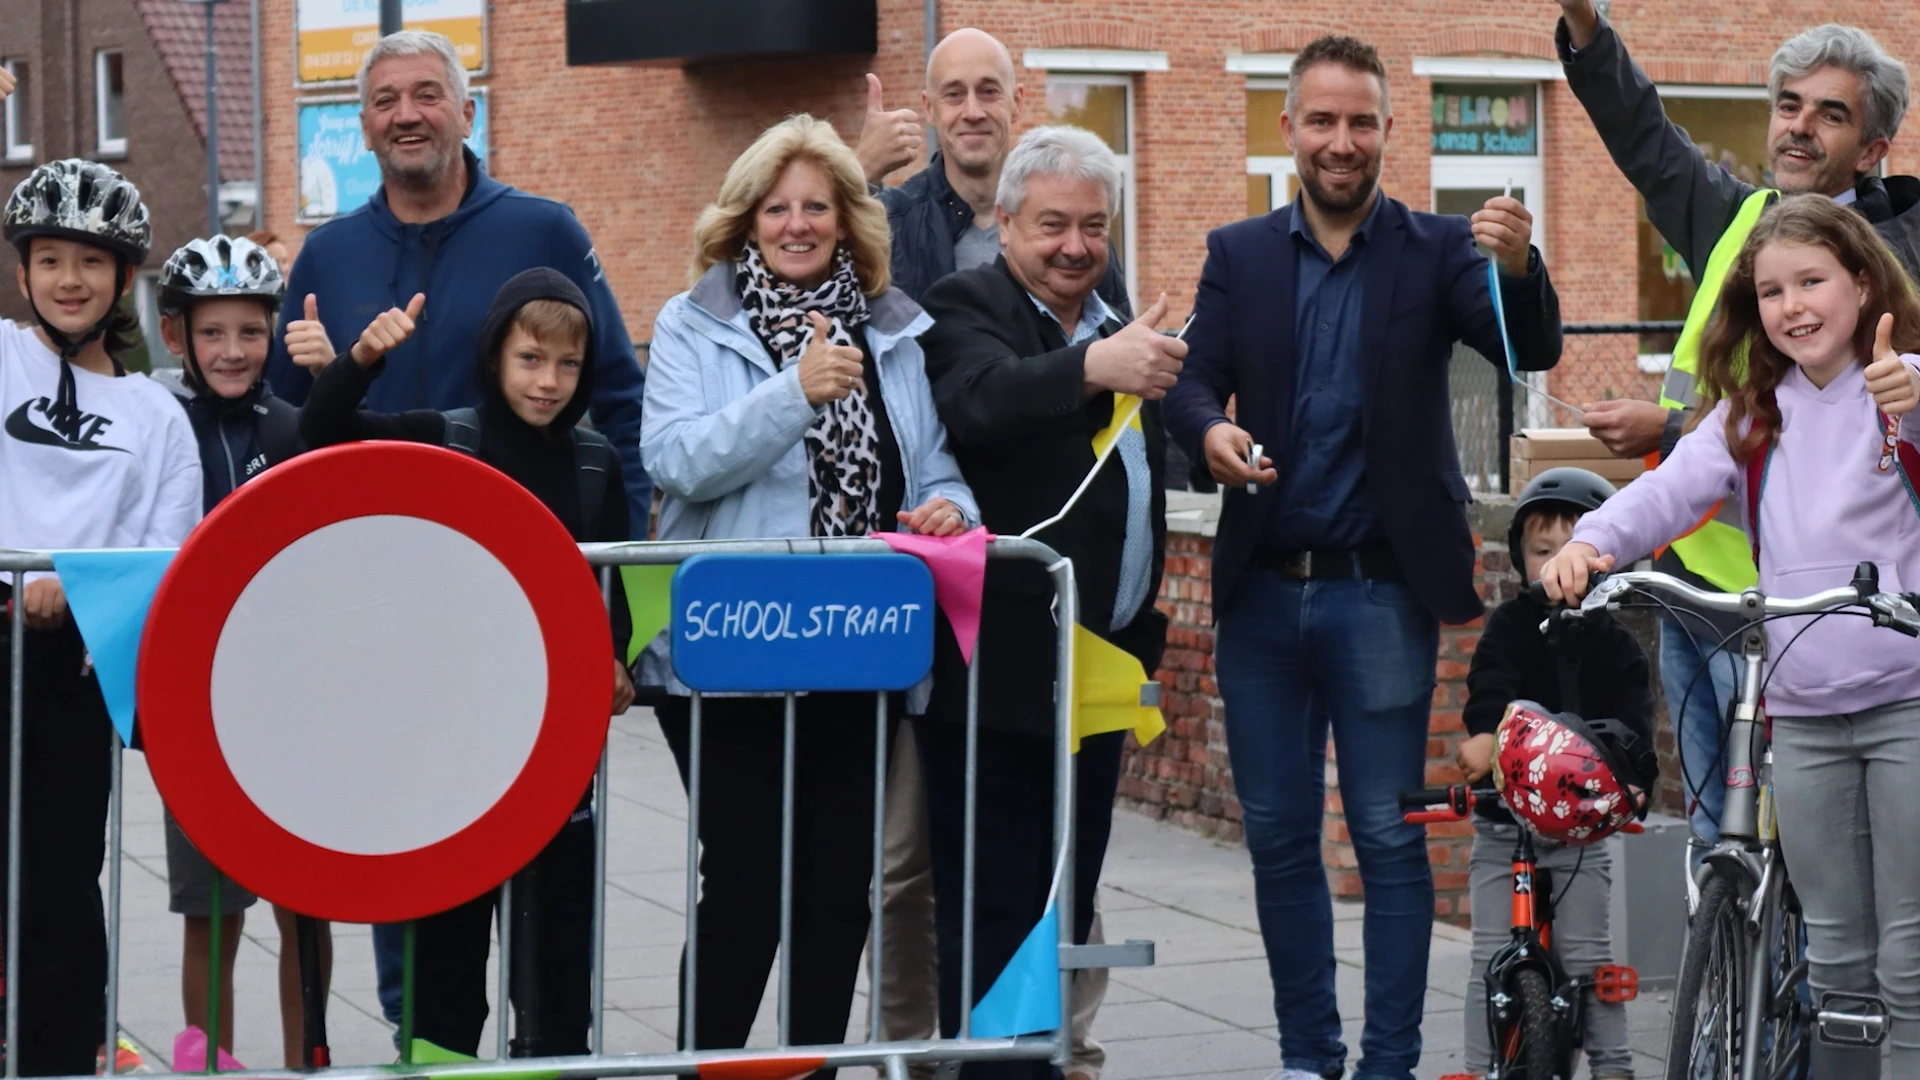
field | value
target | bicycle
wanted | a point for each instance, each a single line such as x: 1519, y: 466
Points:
x: 1533, y: 1007
x: 1729, y: 1022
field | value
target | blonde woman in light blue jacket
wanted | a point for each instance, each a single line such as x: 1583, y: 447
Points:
x: 787, y: 397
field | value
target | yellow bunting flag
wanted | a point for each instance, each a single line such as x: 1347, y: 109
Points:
x: 1126, y: 413
x: 1106, y: 691
x: 648, y: 591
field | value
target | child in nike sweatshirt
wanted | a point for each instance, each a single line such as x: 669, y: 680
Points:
x: 91, y: 456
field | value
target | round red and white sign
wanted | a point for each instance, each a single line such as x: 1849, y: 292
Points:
x: 375, y: 682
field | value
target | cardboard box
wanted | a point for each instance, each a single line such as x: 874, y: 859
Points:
x: 1617, y: 470
x: 1542, y: 444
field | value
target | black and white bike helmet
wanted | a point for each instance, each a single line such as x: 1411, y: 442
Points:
x: 217, y: 267
x: 80, y: 200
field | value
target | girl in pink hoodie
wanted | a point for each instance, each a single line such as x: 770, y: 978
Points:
x: 1812, y: 397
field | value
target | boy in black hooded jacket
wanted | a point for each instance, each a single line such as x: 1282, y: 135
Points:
x: 535, y: 370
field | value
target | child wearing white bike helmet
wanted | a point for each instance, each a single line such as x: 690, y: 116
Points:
x: 218, y: 299
x: 90, y: 457
x: 1810, y: 369
x: 1606, y: 670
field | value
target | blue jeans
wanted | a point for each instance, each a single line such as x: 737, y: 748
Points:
x: 1696, y: 705
x: 1294, y: 659
x: 389, y: 965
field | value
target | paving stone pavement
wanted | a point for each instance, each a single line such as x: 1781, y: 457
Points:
x: 1204, y: 1010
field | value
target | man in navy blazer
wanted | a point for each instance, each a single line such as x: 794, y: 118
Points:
x: 1332, y: 322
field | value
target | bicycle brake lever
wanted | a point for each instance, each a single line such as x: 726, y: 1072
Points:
x: 1895, y: 611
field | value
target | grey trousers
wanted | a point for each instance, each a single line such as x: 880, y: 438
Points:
x: 1581, y: 939
x: 1840, y: 782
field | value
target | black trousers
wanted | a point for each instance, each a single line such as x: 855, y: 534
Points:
x: 65, y: 781
x: 552, y: 956
x: 739, y: 930
x: 1013, y: 851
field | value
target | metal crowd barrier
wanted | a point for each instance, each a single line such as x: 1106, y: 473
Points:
x: 892, y: 1058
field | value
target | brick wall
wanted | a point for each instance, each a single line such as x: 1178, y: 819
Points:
x: 1185, y: 777
x: 166, y: 156
x: 637, y: 151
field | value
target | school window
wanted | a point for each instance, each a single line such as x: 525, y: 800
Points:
x: 19, y: 141
x: 1103, y: 104
x: 109, y: 102
x: 1729, y: 125
x: 1271, y: 181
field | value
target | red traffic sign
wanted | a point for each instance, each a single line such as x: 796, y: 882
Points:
x: 375, y: 682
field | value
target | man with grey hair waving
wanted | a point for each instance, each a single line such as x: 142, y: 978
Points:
x: 1030, y: 367
x: 1838, y: 100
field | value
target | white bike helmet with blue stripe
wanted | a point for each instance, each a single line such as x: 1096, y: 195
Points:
x: 221, y: 266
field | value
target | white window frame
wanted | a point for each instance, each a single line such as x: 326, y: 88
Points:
x: 1127, y: 181
x: 1256, y: 64
x: 1098, y: 61
x: 1276, y: 168
x: 16, y: 149
x: 101, y: 91
x: 1487, y: 69
x: 1701, y: 90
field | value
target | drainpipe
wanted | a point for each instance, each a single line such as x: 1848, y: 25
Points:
x: 259, y: 131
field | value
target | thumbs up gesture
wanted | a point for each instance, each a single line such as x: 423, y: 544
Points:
x: 6, y: 83
x: 828, y: 372
x: 1139, y: 360
x: 888, y: 140
x: 1895, y: 386
x: 387, y: 331
x: 307, y: 343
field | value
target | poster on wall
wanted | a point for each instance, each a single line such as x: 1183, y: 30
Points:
x: 337, y: 171
x: 1488, y: 120
x: 331, y: 37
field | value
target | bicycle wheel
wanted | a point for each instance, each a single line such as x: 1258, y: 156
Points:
x: 1535, y: 1047
x: 1707, y: 1005
x: 1789, y: 1025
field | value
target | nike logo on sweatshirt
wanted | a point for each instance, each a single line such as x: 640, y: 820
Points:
x: 30, y: 424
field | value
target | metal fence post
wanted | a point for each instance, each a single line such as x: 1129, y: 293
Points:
x: 16, y: 735
x: 1066, y: 615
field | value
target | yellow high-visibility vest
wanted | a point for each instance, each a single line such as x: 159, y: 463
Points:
x: 1717, y: 548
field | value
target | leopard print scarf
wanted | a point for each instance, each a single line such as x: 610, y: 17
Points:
x: 843, y: 445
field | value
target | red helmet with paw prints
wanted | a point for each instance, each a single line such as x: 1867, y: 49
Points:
x: 1560, y: 776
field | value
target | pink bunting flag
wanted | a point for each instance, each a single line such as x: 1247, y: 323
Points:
x: 959, y: 565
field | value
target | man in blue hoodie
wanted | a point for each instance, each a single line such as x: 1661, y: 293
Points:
x: 440, y: 225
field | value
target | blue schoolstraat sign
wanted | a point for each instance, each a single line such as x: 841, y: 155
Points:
x: 802, y: 622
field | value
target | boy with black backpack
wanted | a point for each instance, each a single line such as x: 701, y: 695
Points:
x: 218, y: 299
x: 535, y: 369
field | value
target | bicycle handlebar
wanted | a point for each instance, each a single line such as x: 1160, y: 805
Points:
x: 1897, y: 611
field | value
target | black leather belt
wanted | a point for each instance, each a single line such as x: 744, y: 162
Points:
x: 1374, y: 562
